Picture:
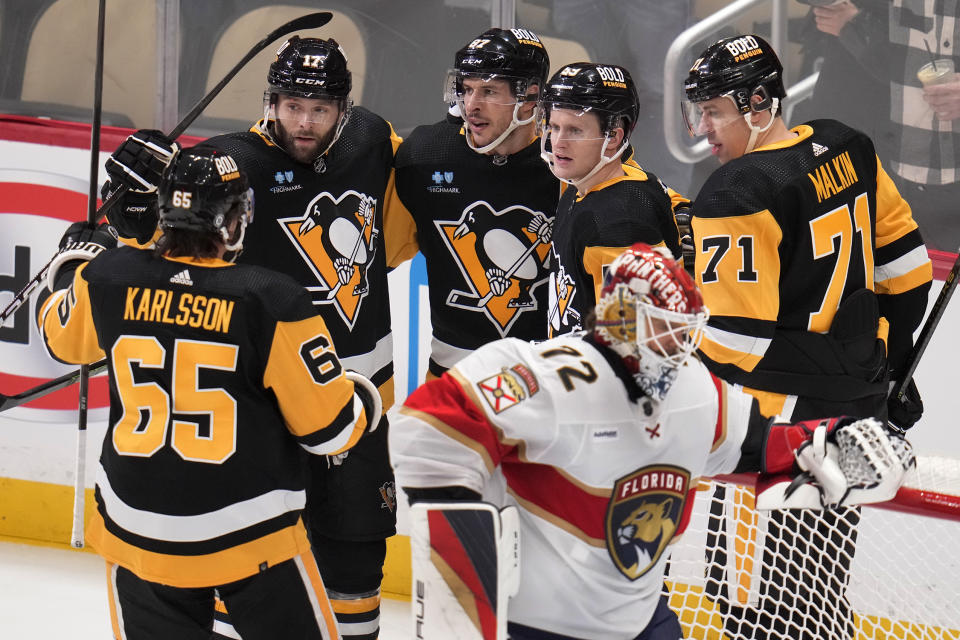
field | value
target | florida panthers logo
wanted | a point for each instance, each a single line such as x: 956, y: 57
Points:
x: 337, y: 238
x: 502, y: 256
x: 561, y: 316
x: 644, y: 515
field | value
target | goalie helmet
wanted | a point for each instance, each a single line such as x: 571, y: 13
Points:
x: 515, y: 55
x: 203, y: 190
x: 651, y: 313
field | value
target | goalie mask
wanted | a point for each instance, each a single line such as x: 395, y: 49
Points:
x: 203, y: 190
x: 739, y: 69
x: 313, y: 69
x: 514, y: 55
x: 604, y: 91
x: 651, y: 313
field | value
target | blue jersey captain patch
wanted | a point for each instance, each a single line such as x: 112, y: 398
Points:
x: 643, y: 516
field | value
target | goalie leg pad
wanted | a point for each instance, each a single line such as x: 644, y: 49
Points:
x: 466, y: 565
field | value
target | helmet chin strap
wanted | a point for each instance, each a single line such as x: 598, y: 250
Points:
x: 238, y: 243
x: 547, y: 156
x: 756, y: 131
x: 514, y: 123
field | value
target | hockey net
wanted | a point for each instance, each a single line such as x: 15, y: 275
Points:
x: 886, y: 571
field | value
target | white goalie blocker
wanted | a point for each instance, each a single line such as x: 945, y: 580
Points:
x: 861, y: 463
x: 466, y: 565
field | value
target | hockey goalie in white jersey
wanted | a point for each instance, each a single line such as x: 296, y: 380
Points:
x: 598, y: 440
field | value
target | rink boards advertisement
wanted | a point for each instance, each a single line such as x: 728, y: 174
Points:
x: 44, y: 172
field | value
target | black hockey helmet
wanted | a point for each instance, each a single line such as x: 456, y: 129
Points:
x: 200, y: 189
x: 606, y: 89
x: 516, y: 55
x: 741, y: 67
x: 310, y: 68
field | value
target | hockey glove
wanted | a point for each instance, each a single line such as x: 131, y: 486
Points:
x: 81, y: 242
x: 903, y: 413
x: 139, y: 162
x: 843, y: 462
x: 135, y: 215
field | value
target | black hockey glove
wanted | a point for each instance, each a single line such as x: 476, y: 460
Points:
x: 904, y: 412
x: 687, y: 249
x: 81, y: 242
x: 139, y: 162
x: 135, y: 215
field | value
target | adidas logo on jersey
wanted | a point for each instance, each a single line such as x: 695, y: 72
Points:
x: 182, y: 278
x: 819, y: 149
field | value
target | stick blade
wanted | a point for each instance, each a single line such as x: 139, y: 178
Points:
x: 309, y: 21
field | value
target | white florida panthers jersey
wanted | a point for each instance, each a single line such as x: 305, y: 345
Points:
x: 604, y: 483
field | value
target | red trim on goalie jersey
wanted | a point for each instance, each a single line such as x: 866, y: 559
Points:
x: 720, y: 430
x: 552, y: 495
x: 448, y: 407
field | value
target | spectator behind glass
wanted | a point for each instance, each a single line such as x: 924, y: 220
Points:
x: 924, y: 140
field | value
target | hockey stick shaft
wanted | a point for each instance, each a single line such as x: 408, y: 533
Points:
x: 64, y: 381
x: 936, y: 312
x: 309, y: 21
x: 79, y: 475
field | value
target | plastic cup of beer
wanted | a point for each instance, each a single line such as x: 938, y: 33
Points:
x: 936, y: 72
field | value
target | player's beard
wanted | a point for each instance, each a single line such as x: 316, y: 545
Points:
x: 305, y: 153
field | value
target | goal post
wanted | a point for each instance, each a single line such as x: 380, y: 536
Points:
x: 901, y: 559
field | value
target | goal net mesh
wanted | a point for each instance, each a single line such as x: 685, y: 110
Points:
x: 878, y: 571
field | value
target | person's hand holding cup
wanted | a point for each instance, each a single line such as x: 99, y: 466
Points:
x: 941, y: 88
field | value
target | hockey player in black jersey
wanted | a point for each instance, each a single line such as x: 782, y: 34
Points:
x: 322, y: 174
x: 481, y: 201
x: 221, y: 375
x: 589, y: 111
x: 815, y: 276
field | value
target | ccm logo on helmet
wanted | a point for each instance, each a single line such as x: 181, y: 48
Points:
x: 227, y: 168
x: 612, y: 76
x: 311, y: 81
x: 743, y: 48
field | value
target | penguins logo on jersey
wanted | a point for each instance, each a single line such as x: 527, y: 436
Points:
x: 561, y: 291
x: 643, y: 516
x: 337, y: 238
x: 502, y: 257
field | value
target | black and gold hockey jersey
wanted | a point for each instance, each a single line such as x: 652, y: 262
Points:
x: 326, y: 230
x: 220, y: 375
x: 483, y: 224
x: 592, y: 230
x: 784, y: 236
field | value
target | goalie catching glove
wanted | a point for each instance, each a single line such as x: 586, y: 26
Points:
x: 140, y: 160
x: 841, y: 461
x: 81, y: 242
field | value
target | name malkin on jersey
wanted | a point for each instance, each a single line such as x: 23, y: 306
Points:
x: 833, y: 176
x: 154, y: 305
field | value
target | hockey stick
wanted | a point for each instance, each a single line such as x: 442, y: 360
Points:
x: 936, y: 312
x: 309, y: 21
x: 79, y: 473
x: 48, y: 387
x: 479, y: 302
